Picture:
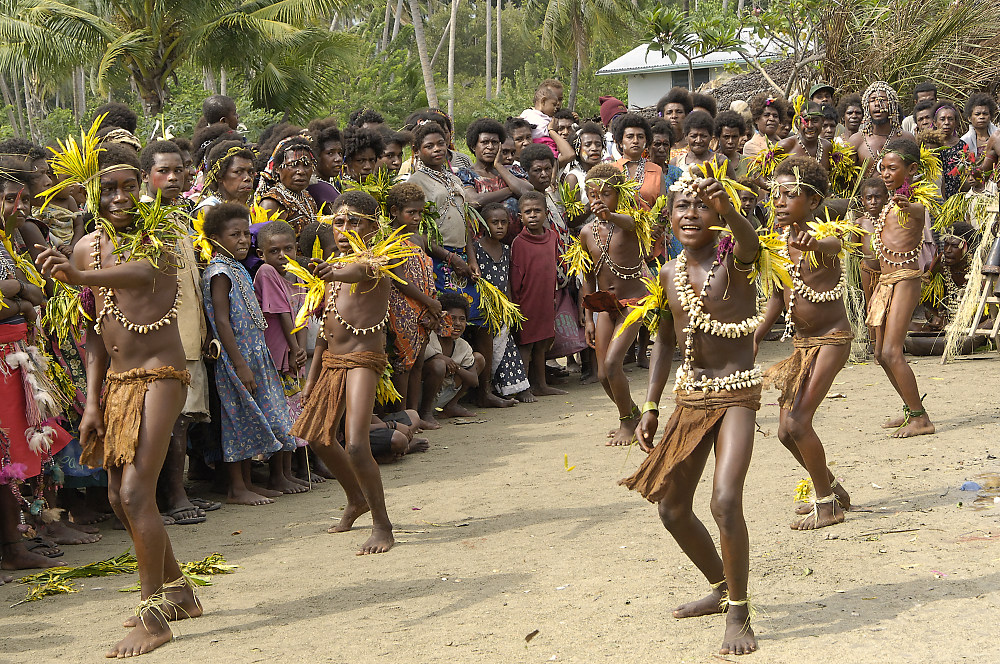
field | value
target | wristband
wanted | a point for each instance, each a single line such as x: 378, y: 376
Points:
x: 651, y: 406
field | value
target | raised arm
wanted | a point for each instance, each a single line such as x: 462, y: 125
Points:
x: 747, y: 244
x: 136, y: 274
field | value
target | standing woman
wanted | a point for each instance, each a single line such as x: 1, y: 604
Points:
x: 230, y: 175
x: 455, y: 258
x: 946, y: 119
x: 284, y: 180
x: 632, y: 135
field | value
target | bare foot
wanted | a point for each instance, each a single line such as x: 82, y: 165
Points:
x: 706, y: 606
x: 17, y: 556
x: 182, y: 605
x: 739, y: 638
x: 588, y: 378
x: 624, y: 435
x: 428, y: 422
x: 547, y: 391
x: 5, y: 579
x: 642, y: 361
x: 820, y: 516
x: 843, y: 498
x: 380, y: 542
x: 267, y: 493
x: 493, y: 401
x: 60, y: 533
x: 350, y: 515
x: 284, y: 485
x: 84, y: 515
x: 455, y: 410
x: 917, y: 426
x: 527, y: 396
x: 151, y: 633
x: 247, y: 497
x: 92, y: 530
x: 894, y: 422
x: 300, y: 482
x: 418, y: 445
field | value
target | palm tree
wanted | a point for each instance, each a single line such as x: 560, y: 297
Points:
x: 425, y: 63
x: 569, y: 27
x: 452, y: 30
x: 153, y: 40
x: 499, y: 44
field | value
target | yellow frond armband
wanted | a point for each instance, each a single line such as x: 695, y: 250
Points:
x: 765, y: 161
x: 922, y: 192
x: 843, y: 169
x: 770, y: 270
x: 650, y: 309
x: 930, y: 164
x: 63, y: 311
x: 569, y: 198
x: 385, y: 390
x: 577, y: 259
x: 933, y: 290
x: 199, y: 239
x: 382, y: 257
x: 315, y: 289
x: 497, y: 308
x: 841, y: 229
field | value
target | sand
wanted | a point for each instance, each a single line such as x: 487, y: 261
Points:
x: 497, y: 541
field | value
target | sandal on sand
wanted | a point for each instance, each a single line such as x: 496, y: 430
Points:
x: 36, y: 543
x: 206, y: 505
x: 186, y: 521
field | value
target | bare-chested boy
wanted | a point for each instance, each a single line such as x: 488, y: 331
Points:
x: 143, y: 388
x: 808, y: 142
x: 814, y: 308
x: 879, y: 126
x: 347, y: 364
x: 614, y: 283
x: 897, y: 240
x: 717, y: 391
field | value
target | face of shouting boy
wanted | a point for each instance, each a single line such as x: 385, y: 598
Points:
x: 691, y: 221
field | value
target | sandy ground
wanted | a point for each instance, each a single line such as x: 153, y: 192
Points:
x: 497, y: 540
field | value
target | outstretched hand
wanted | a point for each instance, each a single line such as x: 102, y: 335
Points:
x: 55, y: 264
x: 715, y: 197
x: 323, y: 270
x: 804, y: 241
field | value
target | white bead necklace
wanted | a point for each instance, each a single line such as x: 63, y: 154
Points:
x: 888, y: 255
x: 701, y: 320
x: 800, y: 286
x: 109, y: 306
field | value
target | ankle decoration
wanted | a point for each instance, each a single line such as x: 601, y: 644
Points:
x: 834, y: 483
x: 716, y: 586
x: 752, y: 611
x: 826, y: 500
x: 633, y: 414
x: 910, y: 414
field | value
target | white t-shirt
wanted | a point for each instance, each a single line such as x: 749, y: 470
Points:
x: 539, y: 122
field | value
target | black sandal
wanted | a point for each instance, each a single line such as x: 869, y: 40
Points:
x: 36, y: 543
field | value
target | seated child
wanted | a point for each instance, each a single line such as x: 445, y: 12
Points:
x: 275, y: 245
x: 451, y: 367
x: 534, y: 258
x: 505, y: 374
x: 255, y: 418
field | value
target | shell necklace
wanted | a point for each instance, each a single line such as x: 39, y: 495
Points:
x: 701, y: 320
x: 331, y: 308
x: 640, y: 171
x: 109, y: 306
x: 896, y: 258
x: 800, y: 286
x: 624, y: 273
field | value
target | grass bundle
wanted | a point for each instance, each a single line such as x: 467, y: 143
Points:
x: 497, y: 308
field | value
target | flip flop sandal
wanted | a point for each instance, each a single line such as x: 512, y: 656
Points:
x: 206, y: 505
x: 36, y: 543
x: 186, y: 521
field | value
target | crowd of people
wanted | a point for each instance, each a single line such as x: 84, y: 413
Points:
x: 270, y: 314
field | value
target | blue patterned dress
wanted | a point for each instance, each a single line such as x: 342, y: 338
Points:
x: 250, y: 425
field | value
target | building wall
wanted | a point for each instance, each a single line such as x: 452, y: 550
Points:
x: 646, y: 89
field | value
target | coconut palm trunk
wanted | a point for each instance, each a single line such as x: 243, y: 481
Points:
x: 425, y: 63
x: 451, y: 57
x: 489, y: 49
x: 499, y: 44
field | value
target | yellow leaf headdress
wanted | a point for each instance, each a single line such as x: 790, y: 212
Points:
x: 764, y: 163
x: 77, y: 163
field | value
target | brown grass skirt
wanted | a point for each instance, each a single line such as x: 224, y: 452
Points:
x: 692, y: 422
x: 123, y: 402
x: 878, y: 307
x: 318, y: 421
x: 789, y: 374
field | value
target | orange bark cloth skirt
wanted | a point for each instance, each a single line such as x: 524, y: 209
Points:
x: 600, y: 301
x: 123, y: 402
x: 878, y: 307
x: 693, y: 422
x: 789, y: 374
x: 320, y: 411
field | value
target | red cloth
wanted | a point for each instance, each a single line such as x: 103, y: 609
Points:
x: 533, y: 283
x: 13, y: 407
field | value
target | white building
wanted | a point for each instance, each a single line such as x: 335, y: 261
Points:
x: 651, y: 74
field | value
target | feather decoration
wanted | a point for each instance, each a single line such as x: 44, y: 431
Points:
x: 770, y: 270
x: 497, y: 308
x: 428, y: 224
x: 77, y: 164
x: 315, y: 290
x: 569, y: 198
x: 200, y: 240
x: 650, y: 309
x: 577, y: 259
x: 930, y: 164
